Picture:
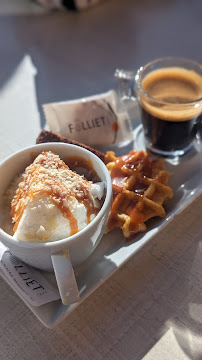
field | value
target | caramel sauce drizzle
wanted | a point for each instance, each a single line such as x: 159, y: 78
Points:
x: 53, y: 187
x: 136, y: 166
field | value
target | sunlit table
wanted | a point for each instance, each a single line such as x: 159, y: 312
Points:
x: 150, y: 308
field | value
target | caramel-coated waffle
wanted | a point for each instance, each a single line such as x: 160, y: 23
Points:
x: 140, y: 188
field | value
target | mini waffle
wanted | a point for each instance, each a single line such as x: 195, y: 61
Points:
x: 140, y: 188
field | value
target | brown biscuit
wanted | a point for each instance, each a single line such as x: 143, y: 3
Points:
x: 48, y: 136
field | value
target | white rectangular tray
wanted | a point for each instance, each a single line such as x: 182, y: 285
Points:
x: 113, y: 251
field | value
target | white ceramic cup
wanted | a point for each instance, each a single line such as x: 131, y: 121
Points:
x: 56, y: 255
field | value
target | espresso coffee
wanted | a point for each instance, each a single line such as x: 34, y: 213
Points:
x: 170, y: 111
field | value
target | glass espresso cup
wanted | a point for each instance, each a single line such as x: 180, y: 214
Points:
x: 169, y: 93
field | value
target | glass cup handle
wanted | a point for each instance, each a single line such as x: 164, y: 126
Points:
x: 65, y: 277
x: 126, y: 84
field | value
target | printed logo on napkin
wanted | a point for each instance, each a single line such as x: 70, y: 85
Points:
x: 96, y: 120
x: 28, y: 282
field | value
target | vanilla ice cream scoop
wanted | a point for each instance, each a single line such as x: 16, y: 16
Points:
x: 53, y: 202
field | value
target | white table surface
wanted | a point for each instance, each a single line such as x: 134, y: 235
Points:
x: 151, y: 308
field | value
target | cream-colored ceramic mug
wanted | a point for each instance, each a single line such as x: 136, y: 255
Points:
x: 62, y: 255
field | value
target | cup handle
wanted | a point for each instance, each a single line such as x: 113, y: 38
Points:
x: 65, y: 277
x: 126, y: 84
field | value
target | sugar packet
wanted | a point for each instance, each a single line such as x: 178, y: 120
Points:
x: 95, y: 120
x: 29, y: 283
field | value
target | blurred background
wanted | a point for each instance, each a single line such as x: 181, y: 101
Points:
x: 76, y: 53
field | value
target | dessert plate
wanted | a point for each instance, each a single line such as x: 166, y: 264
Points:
x: 113, y: 251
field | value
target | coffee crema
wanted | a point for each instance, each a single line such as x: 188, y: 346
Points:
x: 172, y: 86
x: 171, y: 107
